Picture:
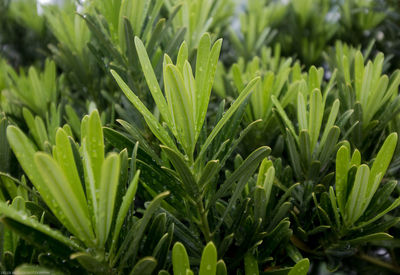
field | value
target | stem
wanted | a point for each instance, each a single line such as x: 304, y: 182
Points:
x: 378, y: 262
x: 205, y: 228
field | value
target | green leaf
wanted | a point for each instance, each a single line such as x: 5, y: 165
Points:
x: 127, y: 200
x: 243, y: 95
x: 353, y: 209
x: 284, y: 117
x: 381, y: 163
x: 206, y: 65
x: 331, y: 121
x: 62, y: 152
x: 221, y: 268
x: 89, y: 262
x: 394, y: 205
x: 301, y: 112
x: 208, y: 264
x: 180, y: 105
x: 250, y: 265
x: 342, y: 167
x: 73, y: 217
x: 35, y: 269
x: 144, y: 266
x: 151, y: 121
x: 315, y: 116
x: 210, y: 170
x: 180, y: 259
x: 32, y: 225
x: 108, y: 190
x: 151, y: 80
x: 368, y: 238
x: 130, y: 253
x: 301, y: 268
x: 183, y: 170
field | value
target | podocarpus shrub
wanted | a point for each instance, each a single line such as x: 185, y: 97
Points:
x: 160, y: 137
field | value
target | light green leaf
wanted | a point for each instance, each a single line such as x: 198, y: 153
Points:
x: 108, y: 190
x: 357, y: 196
x: 180, y: 107
x: 65, y: 158
x: 95, y: 145
x: 301, y: 268
x: 381, y: 163
x: 72, y: 215
x: 36, y: 225
x: 250, y: 265
x: 180, y: 259
x: 208, y: 264
x: 24, y: 151
x: 127, y: 200
x: 243, y: 95
x: 206, y: 65
x: 151, y: 121
x: 331, y: 121
x: 315, y: 116
x: 151, y: 80
x: 301, y: 112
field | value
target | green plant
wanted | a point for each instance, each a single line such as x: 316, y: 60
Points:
x: 82, y: 194
x: 32, y: 89
x: 351, y: 208
x: 372, y: 95
x: 275, y: 152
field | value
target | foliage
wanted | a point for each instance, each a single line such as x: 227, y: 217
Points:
x: 199, y: 137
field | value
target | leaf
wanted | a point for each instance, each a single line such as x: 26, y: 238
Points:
x: 380, y: 165
x: 368, y: 238
x: 394, y: 205
x: 180, y: 260
x: 24, y: 150
x: 331, y: 121
x: 342, y: 167
x: 183, y: 170
x: 63, y: 153
x: 35, y: 269
x: 72, y: 216
x: 95, y: 145
x: 243, y: 95
x: 315, y: 116
x: 210, y: 170
x: 301, y: 112
x: 144, y: 266
x: 246, y: 169
x: 250, y: 265
x: 89, y: 262
x: 181, y: 108
x: 127, y: 200
x: 151, y: 80
x: 221, y: 268
x: 353, y: 209
x: 301, y: 268
x: 31, y: 229
x: 151, y: 121
x: 208, y: 264
x: 284, y: 117
x: 206, y: 65
x: 108, y: 191
x: 130, y: 252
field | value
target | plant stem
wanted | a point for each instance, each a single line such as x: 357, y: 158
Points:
x: 205, y: 228
x: 378, y: 262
